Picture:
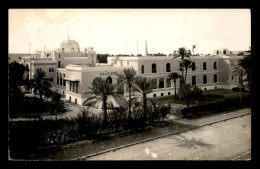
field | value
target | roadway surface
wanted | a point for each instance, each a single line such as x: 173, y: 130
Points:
x: 226, y: 140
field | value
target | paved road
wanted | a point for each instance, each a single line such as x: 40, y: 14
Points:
x: 220, y: 141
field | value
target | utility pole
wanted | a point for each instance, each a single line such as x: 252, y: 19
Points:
x: 240, y: 84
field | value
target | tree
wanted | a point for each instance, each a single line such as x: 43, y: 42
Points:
x: 245, y: 65
x: 187, y: 63
x: 100, y: 93
x: 15, y: 82
x: 165, y: 110
x: 57, y: 104
x: 40, y: 83
x: 144, y: 86
x: 187, y: 92
x: 127, y: 77
x: 243, y: 68
x: 174, y: 76
x: 182, y: 53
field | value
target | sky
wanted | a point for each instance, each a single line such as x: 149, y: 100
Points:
x: 124, y: 31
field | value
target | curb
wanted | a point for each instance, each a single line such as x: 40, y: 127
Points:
x: 154, y: 138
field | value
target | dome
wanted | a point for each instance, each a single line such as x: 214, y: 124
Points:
x: 69, y: 45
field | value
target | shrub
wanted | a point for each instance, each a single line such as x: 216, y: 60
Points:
x: 216, y: 107
x: 237, y: 89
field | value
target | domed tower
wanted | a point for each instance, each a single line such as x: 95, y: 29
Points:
x: 70, y: 46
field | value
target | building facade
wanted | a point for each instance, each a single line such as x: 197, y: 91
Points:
x: 72, y: 72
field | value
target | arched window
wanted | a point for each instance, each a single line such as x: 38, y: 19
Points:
x: 168, y: 67
x: 161, y: 83
x: 217, y: 52
x: 57, y: 78
x: 64, y: 84
x: 142, y: 69
x: 153, y: 68
x: 60, y: 79
x: 224, y: 52
x: 72, y: 49
x: 109, y: 80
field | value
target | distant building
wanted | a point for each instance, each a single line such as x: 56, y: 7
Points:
x: 71, y: 72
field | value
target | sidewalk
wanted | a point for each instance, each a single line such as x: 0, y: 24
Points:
x: 85, y: 148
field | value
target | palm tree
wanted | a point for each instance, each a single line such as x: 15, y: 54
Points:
x: 40, y: 83
x: 100, y: 93
x: 187, y: 63
x: 127, y: 77
x: 174, y: 76
x: 245, y: 64
x: 182, y: 53
x: 243, y: 68
x: 144, y: 86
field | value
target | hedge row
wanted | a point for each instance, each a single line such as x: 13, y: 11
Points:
x: 26, y: 136
x: 216, y: 107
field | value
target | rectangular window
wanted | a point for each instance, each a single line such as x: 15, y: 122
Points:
x: 49, y: 69
x: 58, y: 64
x: 154, y: 83
x: 168, y: 83
x: 51, y: 79
x: 193, y: 66
x: 168, y: 67
x: 76, y: 87
x: 154, y: 95
x: 73, y: 89
x: 19, y: 58
x: 153, y: 68
x: 76, y: 101
x: 204, y: 79
x: 70, y: 98
x: 161, y: 94
x: 180, y: 66
x: 193, y: 80
x: 215, y: 65
x: 215, y: 78
x: 169, y: 93
x: 204, y: 66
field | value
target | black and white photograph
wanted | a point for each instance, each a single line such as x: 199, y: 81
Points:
x: 129, y: 84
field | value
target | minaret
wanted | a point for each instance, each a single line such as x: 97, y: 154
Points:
x: 146, y: 51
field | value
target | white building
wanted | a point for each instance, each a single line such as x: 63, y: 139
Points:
x: 72, y: 72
